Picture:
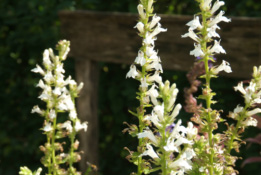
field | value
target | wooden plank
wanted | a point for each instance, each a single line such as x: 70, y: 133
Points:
x: 110, y: 37
x: 87, y: 72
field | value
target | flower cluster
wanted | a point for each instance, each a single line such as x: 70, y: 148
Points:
x: 243, y: 115
x: 59, y: 95
x: 209, y: 146
x: 157, y: 130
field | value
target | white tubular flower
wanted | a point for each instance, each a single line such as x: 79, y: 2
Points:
x: 216, y: 6
x: 38, y: 69
x: 45, y: 95
x: 41, y: 84
x: 149, y: 39
x: 155, y: 78
x: 155, y: 65
x: 140, y: 58
x: 46, y: 59
x: 175, y: 112
x: 59, y: 68
x: 192, y: 35
x: 52, y: 114
x: 154, y: 21
x: 212, y: 31
x: 148, y: 134
x: 150, y: 2
x: 141, y: 11
x: 170, y: 147
x: 217, y: 48
x: 173, y: 98
x: 132, y: 72
x: 73, y: 114
x: 48, y: 77
x: 57, y: 91
x: 150, y: 152
x: 250, y: 121
x: 238, y: 109
x: 206, y: 4
x: 182, y: 162
x: 153, y: 93
x: 194, y: 24
x: 219, y: 18
x: 79, y: 126
x: 157, y: 30
x: 36, y: 109
x: 189, y: 153
x: 175, y: 132
x: 48, y: 127
x: 144, y: 84
x: 224, y: 66
x: 68, y: 126
x: 191, y: 131
x: 140, y: 27
x: 197, y: 52
x: 253, y: 112
x: 240, y: 88
x: 159, y: 110
x: 155, y: 120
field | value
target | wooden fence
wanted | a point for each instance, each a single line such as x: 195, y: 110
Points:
x: 110, y: 37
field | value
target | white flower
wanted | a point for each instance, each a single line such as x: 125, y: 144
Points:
x: 153, y: 93
x: 216, y: 6
x: 173, y: 98
x: 217, y: 48
x: 157, y: 30
x: 240, y: 88
x: 189, y: 153
x: 212, y: 31
x: 219, y: 18
x: 224, y: 66
x: 148, y: 134
x: 238, y: 109
x: 41, y: 84
x: 59, y: 68
x: 141, y: 11
x: 149, y: 39
x: 57, y: 91
x: 156, y: 78
x: 191, y: 131
x: 48, y: 127
x: 46, y: 59
x: 250, y: 122
x: 132, y: 72
x: 191, y: 34
x: 38, y: 69
x: 140, y: 58
x: 78, y: 126
x: 206, y: 4
x: 181, y: 163
x: 253, y: 112
x: 36, y: 109
x: 48, y: 77
x: 197, y: 51
x: 154, y: 21
x: 150, y: 152
x: 144, y: 83
x: 155, y: 120
x: 194, y: 24
x: 159, y: 110
x: 72, y: 114
x: 68, y: 126
x: 140, y: 27
x: 171, y: 146
x: 155, y: 65
x: 52, y: 114
x: 175, y: 112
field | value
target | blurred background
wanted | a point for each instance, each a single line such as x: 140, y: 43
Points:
x: 27, y: 27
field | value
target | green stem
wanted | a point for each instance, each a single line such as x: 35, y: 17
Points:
x: 53, y: 146
x: 208, y: 90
